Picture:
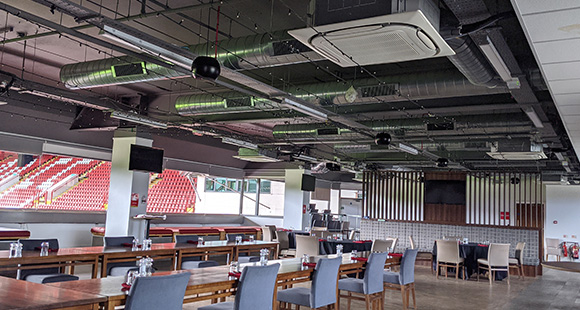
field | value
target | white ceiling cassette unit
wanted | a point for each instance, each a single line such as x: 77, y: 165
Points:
x: 401, y: 36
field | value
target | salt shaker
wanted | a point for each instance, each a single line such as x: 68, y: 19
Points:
x: 238, y: 239
x: 13, y: 250
x: 305, y: 259
x: 200, y: 240
x: 142, y: 264
x: 354, y: 254
x: 234, y: 266
x: 147, y: 244
x: 44, y: 248
x: 135, y: 246
x: 251, y: 238
x: 339, y: 249
x: 18, y: 249
x: 148, y: 266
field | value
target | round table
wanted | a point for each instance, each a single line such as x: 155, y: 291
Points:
x: 563, y: 266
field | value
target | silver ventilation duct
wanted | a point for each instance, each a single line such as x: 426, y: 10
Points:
x: 471, y: 62
x: 262, y: 50
x: 394, y: 88
x: 223, y: 103
x: 403, y: 127
x: 113, y: 71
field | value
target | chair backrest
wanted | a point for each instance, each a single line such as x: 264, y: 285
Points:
x: 273, y: 230
x: 34, y: 245
x: 552, y: 243
x: 520, y: 252
x: 344, y: 226
x: 412, y: 241
x: 282, y: 237
x: 232, y: 237
x: 256, y: 287
x: 380, y: 245
x: 307, y: 245
x: 158, y: 292
x: 186, y: 238
x: 324, y: 280
x: 352, y: 234
x: 407, y: 269
x: 499, y: 254
x: 373, y: 279
x: 118, y: 241
x: 454, y: 238
x: 447, y: 251
x: 266, y: 234
x: 394, y: 244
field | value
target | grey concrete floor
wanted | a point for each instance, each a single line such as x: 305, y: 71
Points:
x: 554, y: 290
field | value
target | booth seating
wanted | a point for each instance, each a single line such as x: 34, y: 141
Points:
x: 13, y: 234
x: 217, y: 231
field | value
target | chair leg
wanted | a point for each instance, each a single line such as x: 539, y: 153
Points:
x: 437, y: 271
x: 408, y: 293
x: 367, y: 301
x: 349, y: 300
x: 404, y: 299
x: 297, y: 307
x: 522, y: 271
x: 413, y: 292
x: 477, y: 272
x: 508, y: 277
x: 491, y: 275
x: 431, y: 264
x: 456, y: 271
x: 446, y: 271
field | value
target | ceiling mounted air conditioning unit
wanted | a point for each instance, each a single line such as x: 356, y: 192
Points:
x: 521, y: 151
x: 352, y: 35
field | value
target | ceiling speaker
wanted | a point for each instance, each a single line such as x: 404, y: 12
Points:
x: 442, y: 162
x: 207, y: 67
x: 383, y: 138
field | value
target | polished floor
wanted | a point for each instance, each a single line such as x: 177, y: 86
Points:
x: 554, y: 290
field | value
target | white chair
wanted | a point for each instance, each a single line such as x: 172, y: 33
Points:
x: 284, y: 244
x: 307, y: 245
x: 273, y: 230
x: 381, y: 245
x: 454, y: 238
x: 497, y: 260
x: 553, y: 248
x: 448, y: 257
x: 518, y: 261
x: 266, y: 234
x: 394, y: 244
x: 352, y: 234
x: 412, y: 242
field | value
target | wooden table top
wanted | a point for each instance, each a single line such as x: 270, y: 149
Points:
x: 17, y: 294
x: 564, y: 266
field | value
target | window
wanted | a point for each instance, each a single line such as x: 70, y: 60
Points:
x: 271, y: 198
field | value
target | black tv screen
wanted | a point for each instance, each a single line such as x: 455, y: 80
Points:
x: 146, y: 159
x: 445, y: 192
x: 308, y: 183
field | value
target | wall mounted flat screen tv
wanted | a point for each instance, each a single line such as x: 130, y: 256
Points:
x: 308, y: 183
x: 445, y: 192
x: 146, y: 159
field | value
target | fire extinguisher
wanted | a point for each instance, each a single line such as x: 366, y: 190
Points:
x: 574, y: 251
x: 564, y: 249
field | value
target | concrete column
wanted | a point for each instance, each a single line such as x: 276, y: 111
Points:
x: 123, y: 184
x: 296, y: 201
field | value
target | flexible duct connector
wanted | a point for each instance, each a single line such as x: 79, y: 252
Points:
x: 261, y: 50
x: 471, y: 62
x: 191, y: 105
x: 322, y: 131
x: 113, y: 71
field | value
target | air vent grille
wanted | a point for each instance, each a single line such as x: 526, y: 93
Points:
x: 239, y: 102
x: 379, y: 90
x: 130, y: 69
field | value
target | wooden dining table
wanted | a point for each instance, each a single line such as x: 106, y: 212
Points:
x: 213, y: 283
x: 72, y: 257
x: 23, y: 295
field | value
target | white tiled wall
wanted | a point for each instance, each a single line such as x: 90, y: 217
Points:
x: 426, y: 234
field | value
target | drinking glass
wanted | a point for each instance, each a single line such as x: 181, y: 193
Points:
x: 234, y: 266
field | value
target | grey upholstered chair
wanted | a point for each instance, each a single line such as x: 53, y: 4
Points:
x: 322, y: 291
x: 518, y: 261
x: 43, y: 275
x: 158, y: 292
x: 371, y: 285
x: 282, y: 237
x: 403, y: 280
x: 121, y: 268
x: 497, y: 260
x: 193, y: 262
x: 255, y: 290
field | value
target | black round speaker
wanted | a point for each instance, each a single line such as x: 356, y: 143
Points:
x: 442, y: 162
x: 207, y: 67
x: 383, y: 138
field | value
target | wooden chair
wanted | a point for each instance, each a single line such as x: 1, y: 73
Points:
x: 371, y: 286
x: 497, y: 260
x: 448, y: 257
x: 517, y: 262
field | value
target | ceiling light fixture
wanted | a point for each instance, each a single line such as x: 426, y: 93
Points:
x: 127, y: 39
x: 531, y: 113
x: 490, y: 51
x: 306, y: 109
x: 3, y: 102
x: 139, y: 119
x: 408, y: 149
x: 240, y: 143
x: 559, y: 156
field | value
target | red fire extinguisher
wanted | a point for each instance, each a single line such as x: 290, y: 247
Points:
x: 564, y: 249
x: 574, y: 249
